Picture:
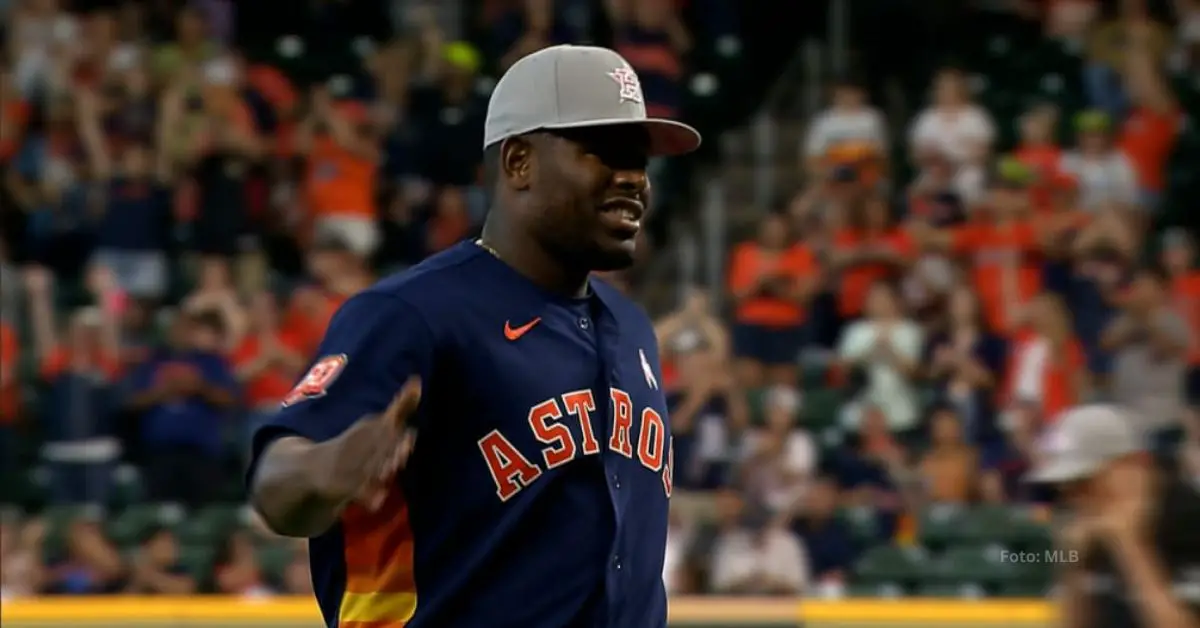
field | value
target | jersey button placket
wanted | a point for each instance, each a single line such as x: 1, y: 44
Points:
x: 585, y: 323
x: 617, y: 562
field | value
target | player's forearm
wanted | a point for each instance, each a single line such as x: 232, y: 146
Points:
x: 289, y: 490
x: 1156, y: 602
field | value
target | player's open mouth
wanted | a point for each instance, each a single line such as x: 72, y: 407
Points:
x: 623, y: 214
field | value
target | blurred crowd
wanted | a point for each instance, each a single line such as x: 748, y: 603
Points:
x: 189, y: 192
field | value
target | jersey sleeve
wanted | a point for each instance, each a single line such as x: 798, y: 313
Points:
x: 373, y: 344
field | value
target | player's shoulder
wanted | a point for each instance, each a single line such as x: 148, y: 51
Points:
x: 438, y: 279
x: 424, y: 292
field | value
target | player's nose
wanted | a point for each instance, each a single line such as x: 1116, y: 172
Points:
x: 630, y: 182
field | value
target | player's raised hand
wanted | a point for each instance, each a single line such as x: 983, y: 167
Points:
x: 375, y: 448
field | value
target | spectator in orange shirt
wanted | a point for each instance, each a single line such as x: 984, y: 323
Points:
x: 1153, y: 124
x: 871, y: 249
x: 14, y: 115
x: 772, y: 280
x: 1001, y: 245
x: 1038, y: 145
x: 1179, y: 259
x: 342, y: 159
x: 10, y: 398
x: 1060, y: 220
x: 1047, y: 366
x: 338, y: 268
x: 308, y: 313
x: 450, y: 222
x: 267, y: 361
x: 79, y: 369
x: 9, y: 387
x: 1039, y: 150
x: 339, y: 273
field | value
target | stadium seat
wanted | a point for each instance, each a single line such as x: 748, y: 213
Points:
x: 888, y: 565
x: 58, y: 522
x: 863, y: 524
x: 29, y: 490
x: 951, y: 590
x: 127, y: 529
x: 274, y: 557
x: 872, y: 590
x: 940, y: 526
x: 128, y: 488
x: 983, y: 567
x: 821, y: 409
x: 1025, y: 532
x: 990, y: 524
x: 209, y: 525
x: 754, y: 405
x: 814, y: 375
x: 1036, y: 582
x: 197, y: 560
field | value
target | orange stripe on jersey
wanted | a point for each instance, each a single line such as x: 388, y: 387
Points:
x: 378, y: 551
x: 364, y: 610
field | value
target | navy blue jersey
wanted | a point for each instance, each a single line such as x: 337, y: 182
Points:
x: 536, y: 494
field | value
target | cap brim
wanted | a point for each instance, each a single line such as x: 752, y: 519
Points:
x: 1060, y: 471
x: 668, y: 138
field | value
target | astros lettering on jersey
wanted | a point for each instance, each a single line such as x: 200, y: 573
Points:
x: 537, y: 492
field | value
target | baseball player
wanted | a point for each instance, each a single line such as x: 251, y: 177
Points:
x: 1132, y: 548
x: 484, y: 441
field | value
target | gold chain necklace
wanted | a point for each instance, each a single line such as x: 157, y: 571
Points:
x: 481, y: 244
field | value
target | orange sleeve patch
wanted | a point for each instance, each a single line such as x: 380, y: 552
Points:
x: 317, y: 380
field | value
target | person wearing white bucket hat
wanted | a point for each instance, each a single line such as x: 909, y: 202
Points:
x: 1130, y: 553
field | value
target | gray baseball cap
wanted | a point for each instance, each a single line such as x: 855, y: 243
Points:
x: 564, y: 87
x: 1082, y: 441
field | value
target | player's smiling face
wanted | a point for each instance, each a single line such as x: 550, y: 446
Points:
x: 596, y: 193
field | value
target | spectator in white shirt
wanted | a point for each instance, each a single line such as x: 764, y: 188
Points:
x: 1104, y: 174
x: 21, y: 548
x: 759, y: 557
x: 781, y: 456
x: 44, y: 40
x: 884, y: 349
x: 956, y: 128
x: 849, y: 122
x: 680, y: 535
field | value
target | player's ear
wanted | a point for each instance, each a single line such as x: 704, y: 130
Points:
x: 516, y: 162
